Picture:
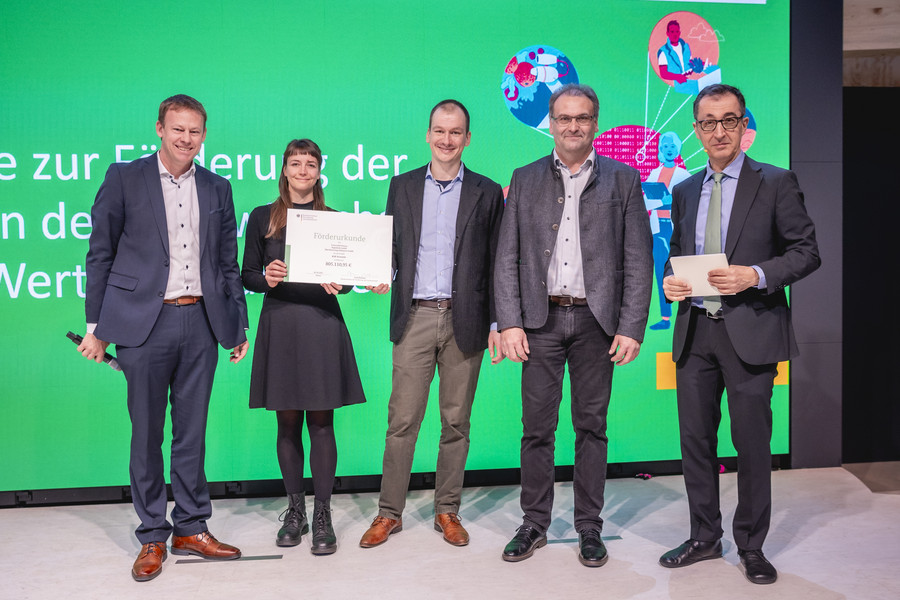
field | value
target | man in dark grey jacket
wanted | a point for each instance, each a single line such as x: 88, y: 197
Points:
x: 572, y: 286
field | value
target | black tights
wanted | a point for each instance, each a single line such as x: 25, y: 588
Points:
x: 322, y: 450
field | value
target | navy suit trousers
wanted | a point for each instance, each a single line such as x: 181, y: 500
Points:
x: 175, y: 365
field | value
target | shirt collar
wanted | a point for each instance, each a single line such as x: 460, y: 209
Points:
x: 459, y: 174
x: 732, y: 170
x: 164, y: 172
x: 588, y: 162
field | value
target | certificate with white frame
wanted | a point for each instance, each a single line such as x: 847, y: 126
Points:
x: 335, y: 247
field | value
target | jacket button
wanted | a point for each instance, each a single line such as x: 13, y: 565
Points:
x: 546, y: 253
x: 560, y: 200
x: 165, y: 263
x: 160, y: 294
x: 554, y: 227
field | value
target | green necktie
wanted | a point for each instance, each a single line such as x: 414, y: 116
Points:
x: 712, y: 239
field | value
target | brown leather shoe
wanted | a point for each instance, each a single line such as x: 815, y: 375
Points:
x: 454, y: 532
x: 379, y: 531
x: 149, y: 561
x: 205, y: 545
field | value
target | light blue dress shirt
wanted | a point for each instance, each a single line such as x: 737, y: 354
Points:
x: 434, y: 262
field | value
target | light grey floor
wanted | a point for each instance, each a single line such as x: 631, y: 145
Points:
x: 832, y: 537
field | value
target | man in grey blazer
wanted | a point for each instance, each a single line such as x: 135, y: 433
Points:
x: 754, y: 213
x: 446, y: 222
x: 572, y: 286
x: 163, y: 284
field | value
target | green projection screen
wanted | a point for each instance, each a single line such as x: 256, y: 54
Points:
x: 81, y: 85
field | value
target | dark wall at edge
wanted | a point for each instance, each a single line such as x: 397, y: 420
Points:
x: 816, y: 157
x: 871, y: 385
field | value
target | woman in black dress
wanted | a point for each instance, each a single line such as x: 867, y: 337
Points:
x: 303, y: 359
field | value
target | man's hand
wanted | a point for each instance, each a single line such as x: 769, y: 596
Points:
x: 515, y: 344
x: 381, y: 288
x: 332, y: 288
x: 276, y: 272
x: 91, y: 348
x: 624, y: 349
x: 239, y: 352
x: 495, y: 344
x: 676, y: 289
x: 733, y: 279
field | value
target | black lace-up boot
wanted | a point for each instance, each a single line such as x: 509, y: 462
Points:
x: 294, y: 519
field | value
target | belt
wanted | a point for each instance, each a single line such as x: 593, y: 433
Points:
x: 702, y: 311
x: 183, y: 300
x: 440, y: 303
x: 568, y: 301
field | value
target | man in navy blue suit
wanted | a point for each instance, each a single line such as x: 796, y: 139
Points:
x: 163, y: 284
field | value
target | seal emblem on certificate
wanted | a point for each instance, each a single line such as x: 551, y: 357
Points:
x: 345, y: 248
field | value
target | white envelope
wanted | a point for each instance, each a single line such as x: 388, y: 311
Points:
x: 695, y: 270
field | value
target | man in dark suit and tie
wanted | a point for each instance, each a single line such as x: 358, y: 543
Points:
x: 446, y: 222
x: 163, y: 284
x: 754, y: 213
x: 572, y: 286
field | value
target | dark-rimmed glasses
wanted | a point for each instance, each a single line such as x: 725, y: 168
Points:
x: 728, y: 123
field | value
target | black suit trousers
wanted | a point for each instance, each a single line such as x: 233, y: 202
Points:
x: 174, y: 366
x: 709, y: 365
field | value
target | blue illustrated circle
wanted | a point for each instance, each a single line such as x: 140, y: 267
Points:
x: 530, y: 78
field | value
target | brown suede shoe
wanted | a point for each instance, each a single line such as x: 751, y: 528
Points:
x: 149, y: 561
x: 205, y: 545
x: 379, y: 531
x: 454, y: 532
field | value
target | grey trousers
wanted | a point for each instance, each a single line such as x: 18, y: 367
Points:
x: 428, y: 342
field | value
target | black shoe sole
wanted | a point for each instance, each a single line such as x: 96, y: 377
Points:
x: 324, y: 550
x: 687, y: 564
x: 540, y: 543
x: 592, y: 563
x: 286, y: 542
x: 759, y: 582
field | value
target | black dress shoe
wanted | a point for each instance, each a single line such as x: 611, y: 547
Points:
x: 526, y: 541
x: 690, y: 552
x: 592, y: 552
x: 756, y: 567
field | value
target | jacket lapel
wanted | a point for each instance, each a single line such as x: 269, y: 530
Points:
x: 204, y: 202
x: 415, y: 191
x: 469, y: 196
x: 157, y: 203
x: 748, y: 183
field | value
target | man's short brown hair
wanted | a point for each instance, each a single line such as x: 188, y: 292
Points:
x: 181, y: 102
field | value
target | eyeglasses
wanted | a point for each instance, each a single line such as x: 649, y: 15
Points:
x: 728, y: 123
x: 565, y: 120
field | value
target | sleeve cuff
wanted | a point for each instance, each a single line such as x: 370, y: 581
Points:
x: 762, y: 277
